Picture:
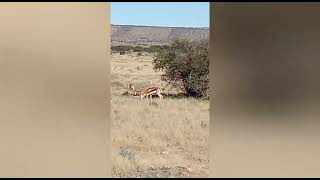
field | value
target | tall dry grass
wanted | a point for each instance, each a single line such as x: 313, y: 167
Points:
x: 167, y: 138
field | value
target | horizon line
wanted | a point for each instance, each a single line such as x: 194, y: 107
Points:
x: 196, y: 27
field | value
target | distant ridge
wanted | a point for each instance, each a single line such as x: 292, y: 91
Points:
x: 155, y: 35
x: 125, y: 25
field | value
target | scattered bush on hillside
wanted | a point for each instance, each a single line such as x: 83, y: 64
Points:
x: 151, y: 49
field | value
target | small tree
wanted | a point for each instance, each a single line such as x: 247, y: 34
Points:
x: 186, y: 66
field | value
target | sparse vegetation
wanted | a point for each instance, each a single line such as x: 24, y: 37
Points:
x: 136, y: 35
x: 186, y: 67
x: 151, y: 49
x: 167, y: 138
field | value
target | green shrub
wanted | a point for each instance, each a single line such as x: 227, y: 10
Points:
x: 120, y: 48
x: 186, y: 67
x: 138, y: 49
x: 151, y: 49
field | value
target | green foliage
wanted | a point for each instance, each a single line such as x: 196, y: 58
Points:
x: 137, y: 49
x: 151, y: 49
x: 186, y: 67
x: 120, y: 48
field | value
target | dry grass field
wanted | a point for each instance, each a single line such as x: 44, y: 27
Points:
x: 167, y: 138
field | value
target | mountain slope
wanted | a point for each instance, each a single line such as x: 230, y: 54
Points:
x: 154, y: 35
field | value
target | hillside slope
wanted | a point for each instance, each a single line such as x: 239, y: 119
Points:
x: 153, y: 35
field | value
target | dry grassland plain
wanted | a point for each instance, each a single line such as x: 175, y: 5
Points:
x: 158, y: 138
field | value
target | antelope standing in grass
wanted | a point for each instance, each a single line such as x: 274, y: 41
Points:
x: 147, y: 92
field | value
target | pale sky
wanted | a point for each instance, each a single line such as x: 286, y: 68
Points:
x: 171, y: 14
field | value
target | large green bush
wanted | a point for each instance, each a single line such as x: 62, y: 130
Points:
x: 186, y: 67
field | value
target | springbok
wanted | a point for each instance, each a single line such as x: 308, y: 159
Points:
x: 135, y: 92
x: 147, y: 92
